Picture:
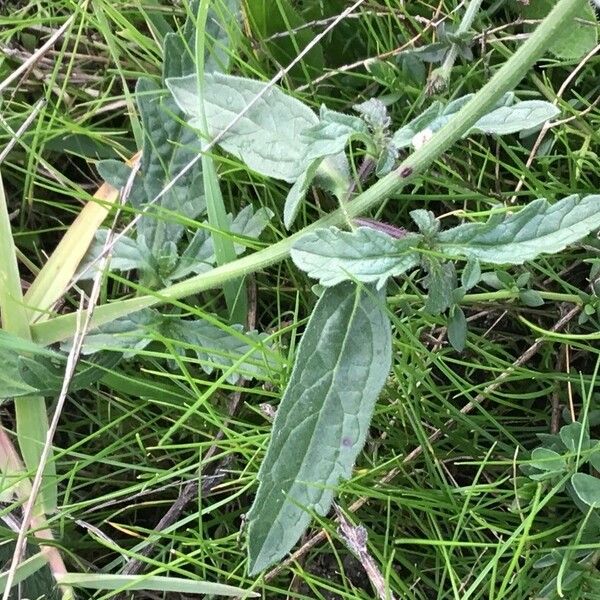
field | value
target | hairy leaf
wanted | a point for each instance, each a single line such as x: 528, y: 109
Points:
x: 268, y: 138
x: 332, y: 255
x: 247, y: 354
x: 440, y: 283
x: 169, y: 146
x: 217, y: 347
x: 199, y: 256
x: 506, y: 117
x: 539, y: 228
x: 332, y: 133
x: 527, y: 115
x: 322, y: 422
x: 125, y: 255
x: 298, y: 192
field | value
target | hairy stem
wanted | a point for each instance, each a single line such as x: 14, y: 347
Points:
x: 504, y: 80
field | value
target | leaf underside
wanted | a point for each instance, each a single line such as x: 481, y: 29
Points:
x: 321, y: 425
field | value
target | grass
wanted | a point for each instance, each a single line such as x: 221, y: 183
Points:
x: 457, y: 520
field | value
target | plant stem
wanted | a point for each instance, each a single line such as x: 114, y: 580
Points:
x: 504, y: 80
x: 440, y: 77
x: 497, y: 296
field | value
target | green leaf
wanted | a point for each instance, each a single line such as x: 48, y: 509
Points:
x: 321, y: 425
x: 103, y: 581
x: 332, y: 133
x: 127, y: 334
x: 199, y: 255
x: 539, y: 228
x: 531, y: 298
x: 528, y: 115
x: 575, y: 437
x: 587, y: 488
x: 332, y: 255
x: 375, y: 113
x: 440, y: 283
x: 298, y: 192
x: 457, y: 329
x: 217, y: 347
x: 571, y: 42
x: 224, y: 347
x: 505, y: 118
x: 169, y: 146
x: 125, y: 255
x: 268, y: 138
x: 471, y: 274
x: 547, y: 460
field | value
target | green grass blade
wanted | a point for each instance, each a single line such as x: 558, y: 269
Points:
x: 235, y: 291
x: 26, y: 569
x: 99, y: 581
x: 31, y: 416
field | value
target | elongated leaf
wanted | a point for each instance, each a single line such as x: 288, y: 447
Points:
x: 103, y: 581
x: 539, y: 228
x: 42, y: 374
x: 332, y: 256
x: 440, y: 283
x: 168, y: 147
x: 507, y: 117
x: 267, y: 138
x: 527, y: 115
x: 298, y: 192
x: 199, y: 256
x: 321, y: 424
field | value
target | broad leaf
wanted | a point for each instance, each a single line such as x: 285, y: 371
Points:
x: 199, y: 256
x: 539, y: 228
x: 125, y: 255
x: 169, y: 146
x: 457, y: 329
x: 223, y: 348
x: 322, y: 422
x: 587, y: 488
x: 375, y: 113
x: 127, y: 334
x: 268, y: 138
x: 298, y: 192
x: 332, y: 255
x: 216, y: 347
x: 28, y: 369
